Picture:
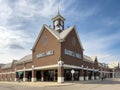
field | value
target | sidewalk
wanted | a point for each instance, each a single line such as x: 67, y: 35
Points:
x: 37, y: 84
x: 50, y: 84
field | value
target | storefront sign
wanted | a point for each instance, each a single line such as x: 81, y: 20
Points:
x: 44, y: 54
x: 72, y: 53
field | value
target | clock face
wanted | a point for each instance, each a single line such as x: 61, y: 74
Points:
x: 56, y: 23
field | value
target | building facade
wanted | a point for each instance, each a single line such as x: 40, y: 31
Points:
x: 57, y: 55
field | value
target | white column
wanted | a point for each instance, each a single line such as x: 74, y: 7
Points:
x: 33, y: 79
x: 93, y: 75
x: 24, y: 79
x: 86, y: 77
x: 60, y: 79
x: 42, y: 76
x: 81, y: 78
x: 15, y: 79
x: 42, y: 79
x: 60, y: 72
x: 113, y: 75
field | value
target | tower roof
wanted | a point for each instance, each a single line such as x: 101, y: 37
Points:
x: 58, y: 16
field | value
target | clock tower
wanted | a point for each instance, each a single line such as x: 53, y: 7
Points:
x: 58, y: 23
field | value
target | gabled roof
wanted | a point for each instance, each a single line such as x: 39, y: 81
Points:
x: 53, y: 32
x: 58, y: 36
x: 26, y: 58
x: 89, y: 59
x: 113, y: 64
x: 58, y: 16
x: 1, y: 65
x: 64, y: 33
x: 93, y: 58
x: 7, y: 66
x: 104, y: 65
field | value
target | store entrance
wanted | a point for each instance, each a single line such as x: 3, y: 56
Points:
x: 89, y: 75
x: 20, y: 75
x: 29, y: 75
x: 76, y: 75
x: 38, y: 75
x: 50, y: 75
x: 68, y: 75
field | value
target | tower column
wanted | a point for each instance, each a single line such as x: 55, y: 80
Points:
x: 33, y: 74
x: 86, y: 74
x: 24, y: 76
x: 42, y: 75
x: 60, y: 74
x: 81, y: 77
x: 93, y: 75
x: 16, y: 75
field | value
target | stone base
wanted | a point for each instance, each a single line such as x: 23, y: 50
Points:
x: 24, y: 79
x: 86, y: 78
x: 10, y: 79
x: 42, y: 79
x: 97, y: 77
x: 60, y: 79
x: 16, y: 79
x: 81, y: 78
x: 93, y: 78
x: 33, y: 79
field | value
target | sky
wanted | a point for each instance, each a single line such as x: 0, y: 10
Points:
x: 97, y: 23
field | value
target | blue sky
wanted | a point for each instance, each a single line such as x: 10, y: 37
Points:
x: 97, y: 22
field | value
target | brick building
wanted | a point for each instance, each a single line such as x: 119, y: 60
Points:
x: 57, y: 55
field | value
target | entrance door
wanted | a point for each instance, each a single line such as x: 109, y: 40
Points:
x: 49, y: 75
x: 29, y: 76
x: 38, y: 75
x: 76, y: 75
x: 20, y: 74
x: 67, y: 75
x: 89, y: 75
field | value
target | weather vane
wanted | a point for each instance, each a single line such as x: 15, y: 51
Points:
x: 58, y: 7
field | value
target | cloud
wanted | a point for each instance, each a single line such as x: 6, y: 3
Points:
x: 21, y: 19
x: 12, y: 42
x: 5, y: 12
x: 17, y: 19
x: 15, y: 46
x: 81, y: 13
x: 31, y: 8
x: 98, y: 44
x: 10, y: 36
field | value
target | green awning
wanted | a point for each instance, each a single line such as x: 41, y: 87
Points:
x: 20, y: 73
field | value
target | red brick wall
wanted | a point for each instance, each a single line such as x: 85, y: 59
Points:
x: 52, y: 44
x: 88, y: 64
x: 19, y: 66
x: 28, y: 65
x: 68, y: 45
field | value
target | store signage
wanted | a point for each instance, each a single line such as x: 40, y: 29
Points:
x: 72, y: 53
x: 44, y: 54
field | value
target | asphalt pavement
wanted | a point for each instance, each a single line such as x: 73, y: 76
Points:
x: 110, y: 84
